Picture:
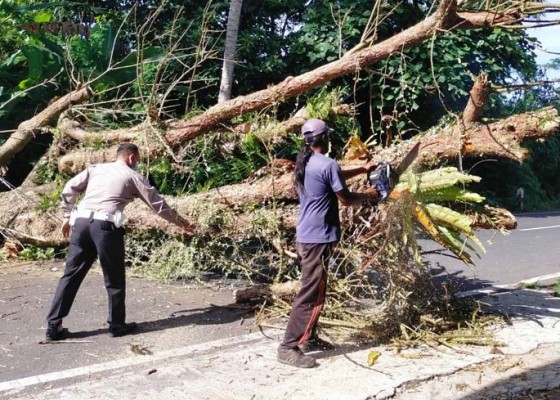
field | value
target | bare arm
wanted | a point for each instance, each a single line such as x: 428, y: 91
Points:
x: 355, y: 171
x: 348, y: 198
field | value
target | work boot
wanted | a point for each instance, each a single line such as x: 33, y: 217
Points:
x: 55, y: 332
x: 316, y: 344
x: 295, y: 358
x: 122, y: 329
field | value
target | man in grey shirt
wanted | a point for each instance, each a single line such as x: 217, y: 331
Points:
x: 97, y: 232
x: 320, y: 184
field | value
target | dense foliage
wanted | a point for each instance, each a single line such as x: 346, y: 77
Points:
x: 162, y: 58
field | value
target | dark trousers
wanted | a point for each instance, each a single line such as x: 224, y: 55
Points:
x: 307, y: 306
x: 90, y: 239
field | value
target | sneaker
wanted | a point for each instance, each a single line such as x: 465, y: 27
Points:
x: 316, y: 344
x: 295, y: 358
x: 122, y: 329
x: 55, y: 332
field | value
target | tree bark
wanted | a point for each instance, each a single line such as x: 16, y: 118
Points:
x: 74, y: 129
x: 229, y: 53
x: 445, y: 18
x: 283, y: 290
x: 77, y: 160
x: 74, y: 162
x: 499, y: 139
x: 28, y: 129
x: 477, y: 99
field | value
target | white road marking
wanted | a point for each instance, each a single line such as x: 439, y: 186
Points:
x: 540, y: 228
x: 209, y: 346
x: 137, y: 360
x: 537, y: 279
x: 510, y: 286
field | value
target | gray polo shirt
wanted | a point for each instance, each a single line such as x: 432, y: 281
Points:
x: 110, y: 187
x: 318, y: 219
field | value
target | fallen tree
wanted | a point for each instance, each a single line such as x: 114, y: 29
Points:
x: 497, y: 139
x: 248, y: 227
x: 446, y: 18
x: 27, y: 130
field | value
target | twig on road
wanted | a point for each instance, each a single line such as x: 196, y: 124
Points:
x: 64, y: 341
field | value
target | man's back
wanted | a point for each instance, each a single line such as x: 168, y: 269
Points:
x: 110, y: 187
x: 318, y: 220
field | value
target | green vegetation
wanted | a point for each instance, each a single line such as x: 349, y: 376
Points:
x: 556, y: 292
x: 33, y: 253
x: 162, y: 59
x: 49, y: 201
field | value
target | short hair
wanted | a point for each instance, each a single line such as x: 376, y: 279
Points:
x: 127, y: 148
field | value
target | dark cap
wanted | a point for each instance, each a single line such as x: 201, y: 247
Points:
x: 314, y: 127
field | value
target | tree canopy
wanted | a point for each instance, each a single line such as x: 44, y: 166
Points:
x: 163, y: 60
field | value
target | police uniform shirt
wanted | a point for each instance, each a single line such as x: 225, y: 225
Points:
x: 110, y: 187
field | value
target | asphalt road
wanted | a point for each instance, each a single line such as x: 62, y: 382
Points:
x: 173, y: 316
x: 532, y: 250
x: 169, y: 316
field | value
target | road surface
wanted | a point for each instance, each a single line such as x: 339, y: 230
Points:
x: 176, y: 317
x: 530, y: 251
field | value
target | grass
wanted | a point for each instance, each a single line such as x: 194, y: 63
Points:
x: 556, y: 289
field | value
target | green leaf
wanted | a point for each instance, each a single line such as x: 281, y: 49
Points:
x: 43, y: 16
x: 25, y: 84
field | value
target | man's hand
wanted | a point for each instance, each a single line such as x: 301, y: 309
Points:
x: 66, y: 228
x: 369, y: 166
x: 371, y: 193
x: 187, y: 227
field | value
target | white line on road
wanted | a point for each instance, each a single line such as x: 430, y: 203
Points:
x: 540, y: 228
x: 202, y: 347
x: 111, y: 365
x: 509, y: 286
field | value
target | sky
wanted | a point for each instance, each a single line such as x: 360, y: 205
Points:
x: 550, y: 40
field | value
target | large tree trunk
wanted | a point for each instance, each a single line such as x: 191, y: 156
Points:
x: 28, y: 129
x: 444, y: 19
x: 229, y: 53
x: 71, y: 127
x: 151, y: 146
x: 499, y: 139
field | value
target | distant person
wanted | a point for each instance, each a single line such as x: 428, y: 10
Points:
x: 320, y: 185
x: 520, y: 197
x: 96, y: 226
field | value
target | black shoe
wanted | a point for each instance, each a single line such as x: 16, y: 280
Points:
x: 56, y: 332
x: 122, y: 329
x: 295, y: 358
x: 316, y: 344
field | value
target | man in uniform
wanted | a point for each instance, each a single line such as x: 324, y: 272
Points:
x: 97, y: 232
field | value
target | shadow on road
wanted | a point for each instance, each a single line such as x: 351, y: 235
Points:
x: 210, y: 315
x: 456, y: 281
x: 532, y: 305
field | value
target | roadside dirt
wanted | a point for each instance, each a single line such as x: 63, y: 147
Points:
x: 503, y: 378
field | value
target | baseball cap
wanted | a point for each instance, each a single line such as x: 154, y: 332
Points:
x: 314, y: 127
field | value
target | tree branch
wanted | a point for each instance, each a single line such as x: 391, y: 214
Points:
x: 477, y: 99
x: 27, y: 129
x: 181, y: 131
